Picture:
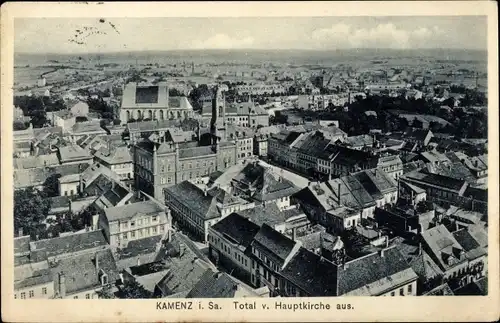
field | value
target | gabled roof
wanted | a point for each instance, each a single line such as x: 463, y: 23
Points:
x: 128, y: 211
x: 218, y: 285
x: 237, y: 228
x: 70, y: 243
x: 374, y: 274
x: 73, y: 152
x: 274, y: 242
x: 82, y: 273
x: 117, y: 155
x: 195, y: 199
x: 443, y: 245
x: 311, y: 273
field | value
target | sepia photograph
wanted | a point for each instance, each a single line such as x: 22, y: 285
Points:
x: 189, y: 159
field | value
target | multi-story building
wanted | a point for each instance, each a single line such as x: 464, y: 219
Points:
x: 392, y: 165
x: 341, y: 203
x: 262, y: 185
x: 74, y: 265
x: 271, y: 252
x: 74, y: 154
x: 152, y: 102
x: 460, y: 264
x: 118, y: 159
x: 167, y: 160
x: 244, y: 138
x: 229, y: 244
x: 197, y: 209
x: 382, y: 273
x: 134, y: 221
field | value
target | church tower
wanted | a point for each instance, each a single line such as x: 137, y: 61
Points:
x: 217, y: 123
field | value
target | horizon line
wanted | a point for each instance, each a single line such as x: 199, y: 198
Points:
x: 251, y: 49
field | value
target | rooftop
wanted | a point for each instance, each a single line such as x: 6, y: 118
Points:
x: 70, y: 243
x: 129, y: 211
x: 273, y: 241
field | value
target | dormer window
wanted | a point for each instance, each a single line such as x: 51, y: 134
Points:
x: 104, y: 279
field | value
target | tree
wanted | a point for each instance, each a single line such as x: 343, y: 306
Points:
x: 30, y: 210
x: 51, y: 185
x: 19, y: 125
x: 106, y: 292
x: 133, y: 290
x: 353, y: 241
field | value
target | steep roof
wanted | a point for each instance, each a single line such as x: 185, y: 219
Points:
x: 443, y: 245
x: 128, y: 211
x: 81, y: 272
x: 374, y: 273
x: 274, y: 242
x: 117, y: 155
x: 237, y: 228
x: 195, y: 199
x: 70, y: 243
x: 218, y: 285
x: 312, y: 273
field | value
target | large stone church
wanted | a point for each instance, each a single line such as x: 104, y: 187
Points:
x: 178, y: 155
x: 152, y: 102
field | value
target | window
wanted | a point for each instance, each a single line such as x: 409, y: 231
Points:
x: 124, y: 236
x: 393, y: 294
x: 154, y: 230
x: 132, y: 223
x: 44, y: 290
x: 23, y: 295
x: 410, y: 288
x: 401, y: 292
x: 31, y: 293
x: 76, y: 297
x: 87, y: 296
x: 132, y: 234
x: 15, y: 296
x: 162, y: 228
x: 139, y: 222
x: 154, y: 218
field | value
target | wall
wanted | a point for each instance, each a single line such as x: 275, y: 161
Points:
x: 37, y: 291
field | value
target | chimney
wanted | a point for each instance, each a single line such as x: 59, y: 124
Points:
x: 420, y: 248
x: 62, y: 285
x: 20, y: 232
x: 338, y: 192
x: 182, y: 248
x: 387, y: 241
x: 294, y: 234
x: 382, y: 253
x: 138, y: 261
x: 95, y: 221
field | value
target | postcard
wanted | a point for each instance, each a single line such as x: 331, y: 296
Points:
x: 250, y: 161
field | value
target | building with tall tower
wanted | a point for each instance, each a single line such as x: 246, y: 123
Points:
x: 177, y: 155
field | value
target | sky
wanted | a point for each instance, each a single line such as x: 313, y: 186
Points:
x: 93, y: 35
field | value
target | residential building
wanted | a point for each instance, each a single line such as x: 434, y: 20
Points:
x: 36, y: 177
x: 382, y: 273
x: 198, y: 209
x: 74, y: 154
x: 64, y: 119
x: 460, y: 265
x: 122, y: 224
x: 88, y: 128
x: 118, y: 159
x: 229, y: 244
x: 447, y: 191
x: 220, y: 285
x: 341, y: 203
x: 244, y: 138
x: 262, y: 185
x: 271, y: 252
x: 392, y: 165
